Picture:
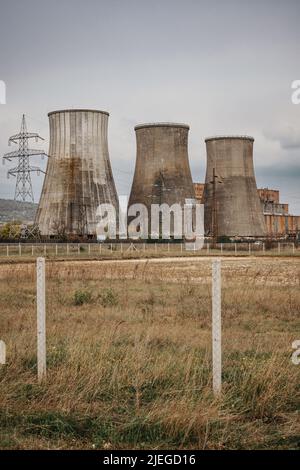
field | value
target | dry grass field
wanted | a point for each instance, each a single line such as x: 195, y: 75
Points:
x: 129, y: 356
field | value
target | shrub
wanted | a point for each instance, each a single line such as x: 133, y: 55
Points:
x: 108, y: 298
x: 223, y: 239
x: 82, y: 297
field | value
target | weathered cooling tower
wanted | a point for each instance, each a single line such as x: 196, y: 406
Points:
x: 79, y: 175
x: 162, y: 171
x: 231, y: 201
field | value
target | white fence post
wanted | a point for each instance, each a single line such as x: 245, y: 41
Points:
x: 41, y: 318
x: 2, y: 352
x: 216, y: 326
x: 7, y: 250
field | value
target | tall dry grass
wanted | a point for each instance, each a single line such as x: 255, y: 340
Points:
x: 130, y: 366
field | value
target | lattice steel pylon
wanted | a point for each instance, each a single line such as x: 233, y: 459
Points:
x: 23, y: 170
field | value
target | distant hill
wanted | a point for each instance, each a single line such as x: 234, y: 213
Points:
x: 15, y: 210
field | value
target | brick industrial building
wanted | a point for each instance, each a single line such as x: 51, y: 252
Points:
x: 279, y: 222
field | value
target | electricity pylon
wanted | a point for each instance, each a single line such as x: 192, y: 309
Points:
x: 23, y: 170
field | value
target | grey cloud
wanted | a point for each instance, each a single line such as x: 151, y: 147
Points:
x: 288, y: 137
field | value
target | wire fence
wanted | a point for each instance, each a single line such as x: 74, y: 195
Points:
x: 117, y: 250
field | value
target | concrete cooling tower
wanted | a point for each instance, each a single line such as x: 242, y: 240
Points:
x: 162, y: 171
x: 231, y: 201
x: 79, y: 175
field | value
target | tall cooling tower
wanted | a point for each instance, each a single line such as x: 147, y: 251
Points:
x: 230, y: 194
x: 162, y: 171
x: 79, y: 175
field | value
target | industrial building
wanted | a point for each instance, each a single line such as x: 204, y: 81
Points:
x: 231, y: 202
x: 279, y: 223
x: 199, y: 190
x: 78, y: 176
x: 278, y: 220
x: 162, y: 171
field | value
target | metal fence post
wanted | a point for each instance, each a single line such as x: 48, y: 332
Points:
x: 41, y: 318
x: 216, y: 326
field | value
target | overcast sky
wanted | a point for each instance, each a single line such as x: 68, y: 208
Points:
x: 221, y: 66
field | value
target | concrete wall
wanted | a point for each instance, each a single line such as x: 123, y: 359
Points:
x: 162, y: 171
x: 239, y: 211
x: 79, y: 175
